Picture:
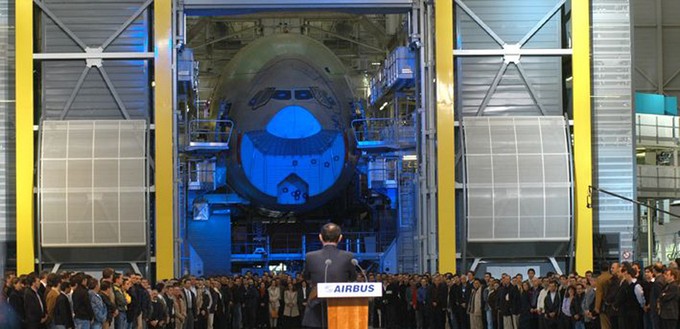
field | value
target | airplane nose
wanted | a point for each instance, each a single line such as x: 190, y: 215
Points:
x: 293, y: 122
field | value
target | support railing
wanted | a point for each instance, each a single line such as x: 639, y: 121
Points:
x: 384, y: 133
x: 204, y: 133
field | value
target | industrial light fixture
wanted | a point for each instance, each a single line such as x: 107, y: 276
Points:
x: 382, y: 107
x: 410, y: 157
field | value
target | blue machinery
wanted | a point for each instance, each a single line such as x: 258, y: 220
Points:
x: 387, y: 152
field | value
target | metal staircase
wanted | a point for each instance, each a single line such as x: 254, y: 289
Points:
x: 407, y: 257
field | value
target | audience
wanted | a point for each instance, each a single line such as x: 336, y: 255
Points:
x: 622, y: 296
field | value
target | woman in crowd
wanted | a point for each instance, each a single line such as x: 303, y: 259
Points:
x: 262, y: 306
x: 291, y: 312
x: 274, y: 292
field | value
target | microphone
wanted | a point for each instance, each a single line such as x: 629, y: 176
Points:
x: 325, y: 271
x: 355, y: 262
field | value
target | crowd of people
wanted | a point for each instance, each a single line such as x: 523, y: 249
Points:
x: 624, y: 296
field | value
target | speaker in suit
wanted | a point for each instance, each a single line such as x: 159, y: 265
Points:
x: 328, y: 264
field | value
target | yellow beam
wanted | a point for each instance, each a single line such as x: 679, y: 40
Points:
x: 164, y: 176
x: 446, y: 156
x: 24, y: 136
x: 583, y: 160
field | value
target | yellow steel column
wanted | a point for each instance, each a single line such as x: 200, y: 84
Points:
x: 583, y: 162
x: 446, y: 156
x: 164, y: 175
x: 24, y: 136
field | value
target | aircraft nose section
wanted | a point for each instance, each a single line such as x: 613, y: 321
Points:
x: 293, y: 122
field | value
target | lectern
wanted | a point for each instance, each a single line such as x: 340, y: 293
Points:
x: 348, y: 303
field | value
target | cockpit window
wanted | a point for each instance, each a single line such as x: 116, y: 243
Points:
x: 261, y: 98
x: 282, y: 95
x: 303, y: 94
x: 322, y: 97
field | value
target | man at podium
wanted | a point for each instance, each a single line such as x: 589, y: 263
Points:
x: 329, y: 264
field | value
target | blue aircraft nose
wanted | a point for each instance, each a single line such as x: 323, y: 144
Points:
x: 293, y: 122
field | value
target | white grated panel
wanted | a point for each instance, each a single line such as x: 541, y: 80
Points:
x: 92, y: 183
x: 518, y: 179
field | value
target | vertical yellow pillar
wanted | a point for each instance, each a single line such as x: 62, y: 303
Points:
x: 583, y: 161
x: 24, y: 136
x: 446, y: 156
x: 164, y: 174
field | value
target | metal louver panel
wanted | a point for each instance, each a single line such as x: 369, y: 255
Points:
x: 613, y: 142
x: 510, y: 20
x: 518, y: 179
x: 656, y: 47
x: 92, y: 183
x: 93, y: 22
x: 7, y: 147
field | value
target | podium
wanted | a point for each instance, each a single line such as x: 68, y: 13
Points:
x: 348, y: 302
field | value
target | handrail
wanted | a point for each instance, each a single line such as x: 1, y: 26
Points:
x: 294, y: 243
x: 385, y: 130
x: 212, y: 131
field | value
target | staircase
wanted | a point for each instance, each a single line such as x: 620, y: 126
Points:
x: 407, y: 256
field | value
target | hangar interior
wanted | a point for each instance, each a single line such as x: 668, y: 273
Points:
x: 215, y: 136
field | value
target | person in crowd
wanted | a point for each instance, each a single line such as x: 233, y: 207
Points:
x: 463, y: 290
x: 491, y: 303
x: 34, y: 304
x: 121, y: 300
x: 566, y: 316
x: 668, y: 300
x: 590, y: 319
x: 238, y: 294
x: 250, y: 305
x: 158, y: 314
x: 391, y: 303
x: 105, y: 291
x: 180, y: 306
x: 576, y: 307
x: 409, y: 301
x: 303, y: 295
x: 219, y: 308
x: 551, y: 307
x: 190, y: 300
x: 475, y: 305
x: 16, y: 299
x: 602, y: 285
x: 82, y: 307
x: 658, y: 284
x: 42, y: 288
x: 291, y: 311
x: 509, y: 303
x: 274, y: 294
x: 63, y: 314
x: 525, y: 295
x: 99, y: 309
x: 422, y: 312
x: 203, y: 303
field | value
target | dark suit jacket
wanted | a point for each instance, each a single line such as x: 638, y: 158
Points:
x: 34, y: 311
x: 62, y: 312
x: 341, y: 269
x: 190, y: 307
x: 552, y: 306
x: 669, y: 302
